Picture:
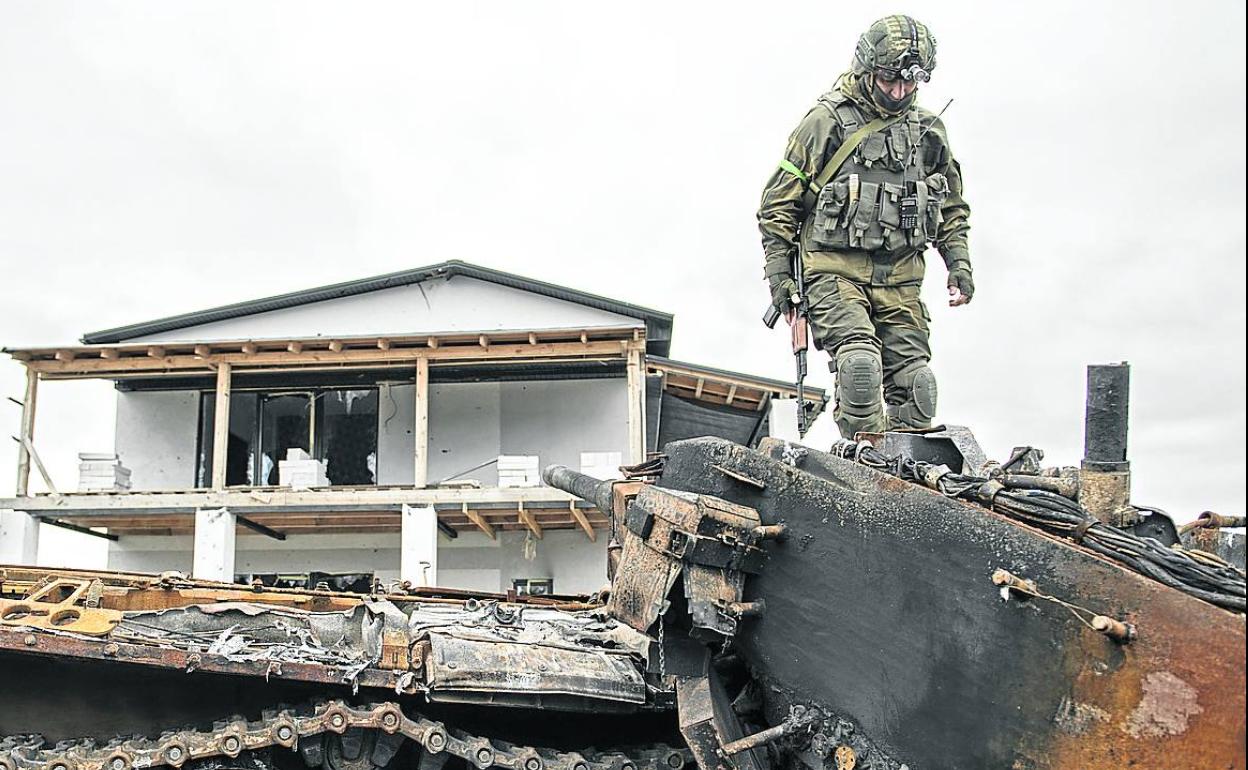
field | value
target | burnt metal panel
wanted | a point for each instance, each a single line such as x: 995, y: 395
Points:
x: 880, y: 606
x: 707, y: 722
x: 456, y: 666
x: 669, y: 531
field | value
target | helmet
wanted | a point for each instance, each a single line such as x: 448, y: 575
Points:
x: 897, y: 47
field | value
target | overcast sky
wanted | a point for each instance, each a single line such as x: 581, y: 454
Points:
x: 161, y: 157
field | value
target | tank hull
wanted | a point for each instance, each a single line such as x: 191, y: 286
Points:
x: 880, y: 606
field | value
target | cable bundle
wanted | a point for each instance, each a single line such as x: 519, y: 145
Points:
x: 1193, y: 572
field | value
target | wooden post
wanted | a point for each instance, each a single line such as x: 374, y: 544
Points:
x: 221, y: 426
x: 420, y: 431
x: 636, y: 407
x: 27, y: 433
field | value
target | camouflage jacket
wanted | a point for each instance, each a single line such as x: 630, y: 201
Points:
x: 853, y: 229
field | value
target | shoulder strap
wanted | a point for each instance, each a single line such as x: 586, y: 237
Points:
x: 841, y: 155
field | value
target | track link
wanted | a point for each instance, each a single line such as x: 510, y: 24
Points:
x: 286, y: 727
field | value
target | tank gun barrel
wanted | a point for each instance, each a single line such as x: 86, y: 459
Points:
x: 585, y: 487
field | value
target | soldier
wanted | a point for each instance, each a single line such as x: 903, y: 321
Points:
x: 867, y: 183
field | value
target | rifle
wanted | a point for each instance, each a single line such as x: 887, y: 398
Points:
x: 799, y: 328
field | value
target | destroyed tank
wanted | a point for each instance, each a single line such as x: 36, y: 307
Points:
x: 897, y: 602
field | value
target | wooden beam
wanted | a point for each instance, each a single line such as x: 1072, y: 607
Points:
x: 697, y: 392
x: 282, y: 501
x: 202, y: 351
x: 479, y: 521
x: 584, y: 338
x: 26, y: 433
x: 732, y: 393
x: 155, y: 351
x: 636, y: 407
x: 432, y: 343
x: 221, y: 427
x: 335, y: 346
x: 603, y: 349
x: 483, y: 341
x: 532, y: 338
x: 109, y: 354
x: 294, y: 348
x: 29, y: 446
x: 249, y: 348
x: 583, y: 522
x: 420, y: 427
x: 383, y: 344
x: 527, y: 520
x: 64, y: 356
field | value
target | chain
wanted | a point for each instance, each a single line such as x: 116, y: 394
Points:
x: 662, y: 651
x: 285, y: 728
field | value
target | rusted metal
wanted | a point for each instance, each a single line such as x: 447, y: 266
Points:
x: 327, y: 728
x: 845, y: 757
x: 1211, y: 520
x: 931, y: 664
x: 758, y: 739
x: 59, y: 604
x: 1066, y: 487
x: 1106, y: 495
x: 183, y: 660
x: 712, y: 541
x: 1114, y: 629
x: 132, y: 592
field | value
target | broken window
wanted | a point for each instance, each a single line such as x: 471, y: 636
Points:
x: 346, y: 435
x: 285, y: 424
x: 240, y: 455
x: 335, y: 426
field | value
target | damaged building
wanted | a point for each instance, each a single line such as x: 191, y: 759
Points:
x: 384, y: 429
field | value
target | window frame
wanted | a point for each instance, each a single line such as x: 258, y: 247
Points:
x: 204, y: 430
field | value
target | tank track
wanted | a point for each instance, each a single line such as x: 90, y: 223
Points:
x: 287, y: 728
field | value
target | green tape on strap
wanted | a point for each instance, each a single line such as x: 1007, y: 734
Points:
x: 794, y: 170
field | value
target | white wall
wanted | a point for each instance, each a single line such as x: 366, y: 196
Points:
x: 471, y: 561
x: 557, y: 420
x: 156, y: 438
x: 440, y: 305
x: 472, y: 423
x: 465, y: 429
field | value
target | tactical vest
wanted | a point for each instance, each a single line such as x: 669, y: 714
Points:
x: 882, y: 199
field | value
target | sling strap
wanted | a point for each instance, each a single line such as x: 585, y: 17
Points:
x: 841, y: 155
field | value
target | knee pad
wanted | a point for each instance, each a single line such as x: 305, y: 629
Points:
x: 918, y: 384
x: 859, y: 375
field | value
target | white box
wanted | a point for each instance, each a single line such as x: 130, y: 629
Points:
x: 102, y: 472
x: 519, y: 471
x: 301, y: 474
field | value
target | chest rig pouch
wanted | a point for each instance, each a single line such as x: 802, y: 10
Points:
x: 882, y: 197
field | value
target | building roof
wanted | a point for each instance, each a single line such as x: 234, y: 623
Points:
x: 720, y: 386
x: 658, y: 324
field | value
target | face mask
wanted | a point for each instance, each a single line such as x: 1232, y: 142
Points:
x: 889, y: 104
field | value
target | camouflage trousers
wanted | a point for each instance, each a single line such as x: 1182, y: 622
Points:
x: 892, y: 319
